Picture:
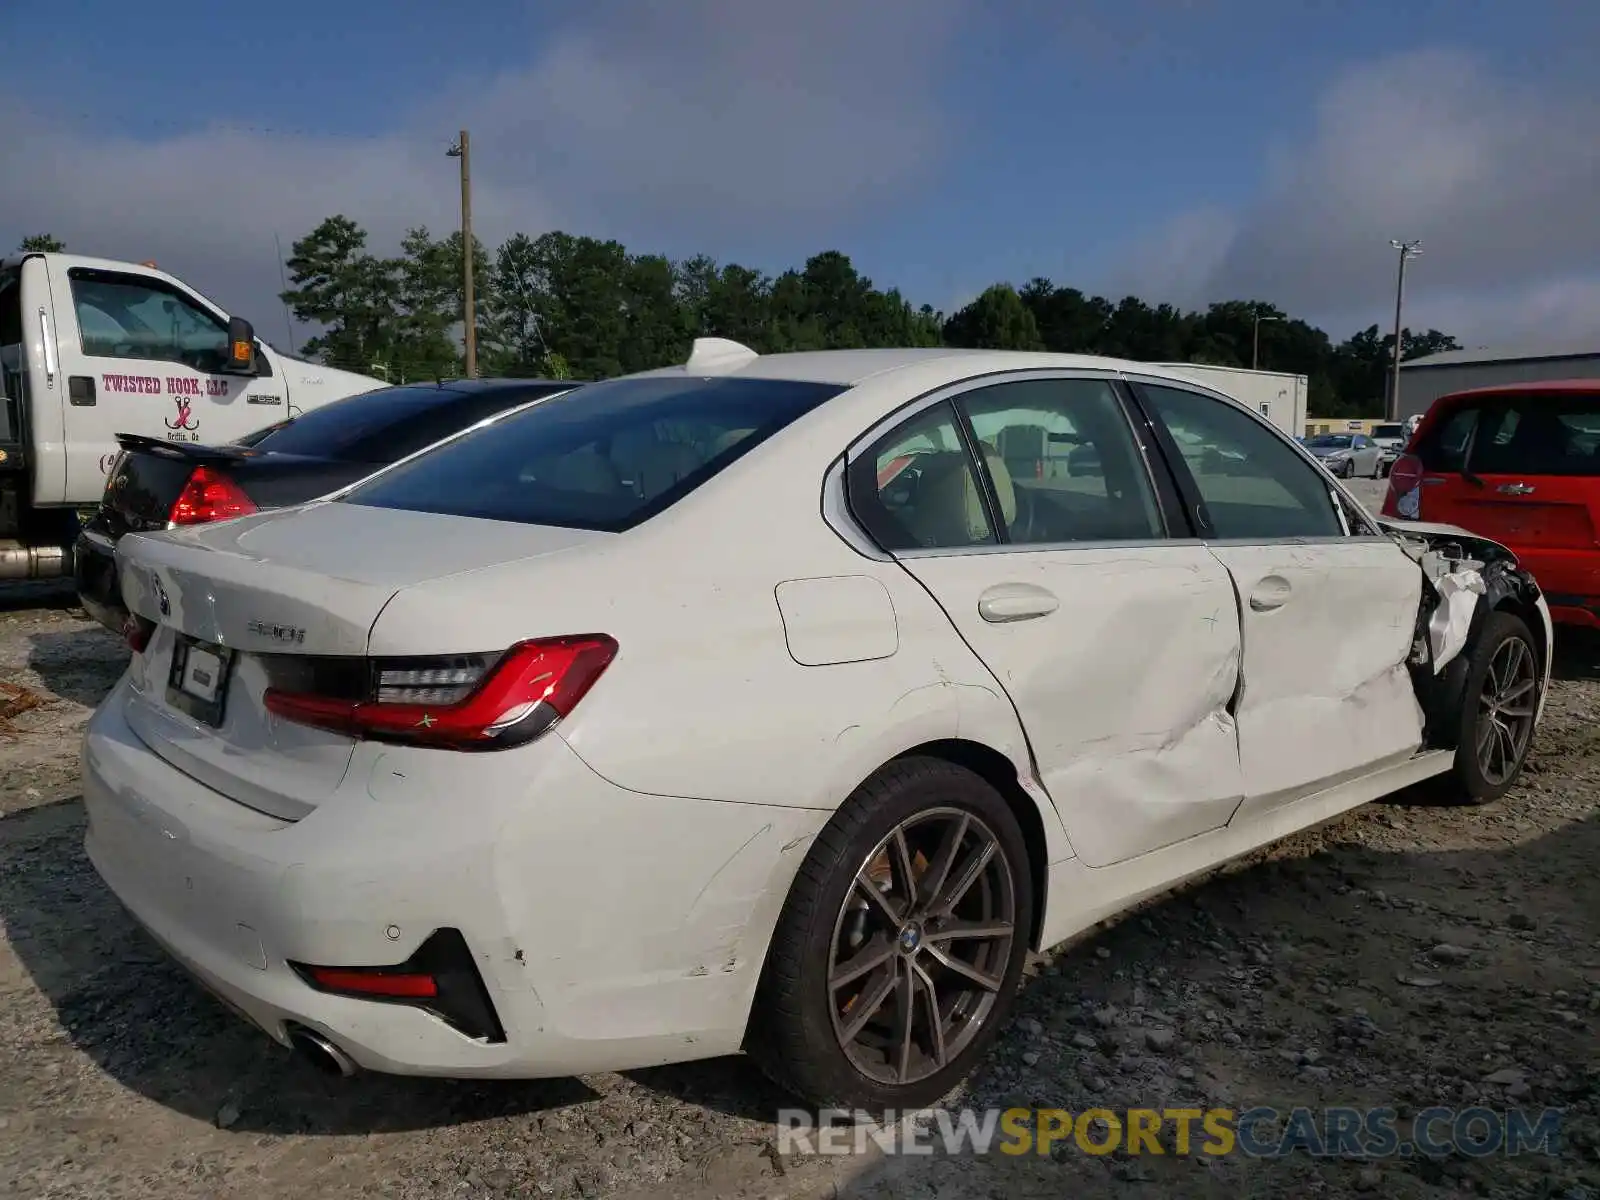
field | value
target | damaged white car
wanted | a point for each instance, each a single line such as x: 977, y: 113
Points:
x: 770, y: 703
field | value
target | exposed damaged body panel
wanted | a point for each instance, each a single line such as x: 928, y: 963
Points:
x: 1137, y: 750
x: 1466, y: 578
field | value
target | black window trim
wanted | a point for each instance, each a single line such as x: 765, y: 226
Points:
x: 841, y: 507
x: 1338, y: 499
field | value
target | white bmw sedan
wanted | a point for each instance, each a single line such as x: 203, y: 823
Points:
x: 778, y: 704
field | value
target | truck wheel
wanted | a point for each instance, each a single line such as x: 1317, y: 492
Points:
x: 898, y: 953
x: 1498, y: 705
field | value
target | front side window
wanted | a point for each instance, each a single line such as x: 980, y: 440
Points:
x: 124, y: 316
x: 1252, y: 485
x: 1063, y: 459
x: 606, y: 456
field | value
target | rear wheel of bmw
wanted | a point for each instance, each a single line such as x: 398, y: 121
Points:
x: 897, y: 956
x: 1499, y: 703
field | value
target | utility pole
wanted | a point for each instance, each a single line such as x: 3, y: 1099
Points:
x: 469, y: 314
x: 1407, y: 251
x: 1255, y: 342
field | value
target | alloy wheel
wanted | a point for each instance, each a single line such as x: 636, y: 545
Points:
x: 920, y: 946
x: 1506, y: 706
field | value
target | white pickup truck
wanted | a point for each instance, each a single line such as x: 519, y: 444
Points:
x: 90, y: 348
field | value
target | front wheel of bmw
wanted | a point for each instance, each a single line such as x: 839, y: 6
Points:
x: 896, y: 958
x: 1499, y: 708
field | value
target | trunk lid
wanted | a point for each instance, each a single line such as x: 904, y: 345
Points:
x: 283, y: 599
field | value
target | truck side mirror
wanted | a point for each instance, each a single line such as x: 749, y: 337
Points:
x: 241, y: 358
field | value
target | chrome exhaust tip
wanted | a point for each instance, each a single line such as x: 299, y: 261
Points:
x: 320, y: 1052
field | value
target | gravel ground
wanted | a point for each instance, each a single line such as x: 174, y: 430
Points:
x: 1406, y: 955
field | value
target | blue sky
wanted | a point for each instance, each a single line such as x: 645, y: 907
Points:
x: 1184, y: 150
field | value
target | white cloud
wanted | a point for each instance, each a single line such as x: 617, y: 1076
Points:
x: 652, y: 123
x: 1498, y: 180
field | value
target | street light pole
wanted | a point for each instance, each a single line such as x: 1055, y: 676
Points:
x: 1407, y: 251
x: 1255, y: 341
x: 463, y: 150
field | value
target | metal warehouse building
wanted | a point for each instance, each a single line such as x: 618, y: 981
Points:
x: 1423, y: 380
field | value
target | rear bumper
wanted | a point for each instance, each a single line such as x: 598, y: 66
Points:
x: 1580, y: 611
x: 94, y: 568
x: 1570, y: 581
x: 611, y: 929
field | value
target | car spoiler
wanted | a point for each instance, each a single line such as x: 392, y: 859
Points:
x: 188, y: 451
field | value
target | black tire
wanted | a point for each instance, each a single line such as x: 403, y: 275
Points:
x: 1470, y: 784
x: 792, y: 1032
x: 1348, y: 471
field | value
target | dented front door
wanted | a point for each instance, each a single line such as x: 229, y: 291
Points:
x: 1327, y: 627
x: 1326, y: 616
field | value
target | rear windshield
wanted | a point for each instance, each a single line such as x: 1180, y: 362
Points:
x: 390, y: 423
x: 605, y: 457
x: 1388, y: 431
x: 1533, y: 434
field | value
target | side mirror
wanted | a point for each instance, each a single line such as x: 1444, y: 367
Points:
x: 241, y: 356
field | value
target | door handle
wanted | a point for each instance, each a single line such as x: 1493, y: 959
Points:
x: 1515, y: 489
x: 1016, y: 602
x: 1272, y: 592
x: 47, y: 343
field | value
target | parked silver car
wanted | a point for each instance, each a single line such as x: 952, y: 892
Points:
x: 1347, y: 454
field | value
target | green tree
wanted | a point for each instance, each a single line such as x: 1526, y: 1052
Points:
x: 997, y: 320
x: 515, y: 344
x: 568, y: 306
x: 352, y: 295
x: 41, y: 243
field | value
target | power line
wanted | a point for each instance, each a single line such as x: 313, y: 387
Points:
x: 102, y: 122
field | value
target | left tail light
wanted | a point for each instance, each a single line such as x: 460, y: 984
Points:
x: 465, y: 702
x: 1405, y: 484
x: 208, y: 496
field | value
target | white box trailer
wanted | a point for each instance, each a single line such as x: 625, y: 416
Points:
x: 1276, y: 395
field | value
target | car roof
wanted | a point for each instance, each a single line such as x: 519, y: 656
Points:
x: 849, y: 368
x: 473, y: 387
x: 1554, y: 386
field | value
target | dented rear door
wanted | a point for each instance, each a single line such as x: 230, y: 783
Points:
x: 1118, y: 647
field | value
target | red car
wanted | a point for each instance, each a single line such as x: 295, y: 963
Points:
x: 1519, y: 464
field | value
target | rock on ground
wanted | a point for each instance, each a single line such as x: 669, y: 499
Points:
x: 1279, y: 981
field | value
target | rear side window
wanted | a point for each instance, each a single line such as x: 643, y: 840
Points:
x: 1538, y: 435
x: 1445, y: 446
x: 1533, y: 434
x: 386, y: 425
x: 605, y: 457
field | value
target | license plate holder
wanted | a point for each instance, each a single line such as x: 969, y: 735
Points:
x: 198, y: 681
